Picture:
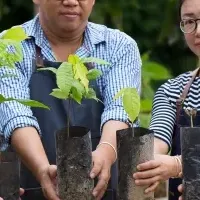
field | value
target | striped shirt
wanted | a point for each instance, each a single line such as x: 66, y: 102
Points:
x: 111, y: 45
x: 164, y: 105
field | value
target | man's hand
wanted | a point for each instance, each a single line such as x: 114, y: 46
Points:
x: 102, y: 162
x: 154, y: 171
x: 47, y: 178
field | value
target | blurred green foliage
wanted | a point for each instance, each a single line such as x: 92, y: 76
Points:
x: 151, y: 72
x: 154, y: 24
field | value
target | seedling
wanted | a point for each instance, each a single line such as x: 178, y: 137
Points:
x: 131, y: 102
x: 73, y: 77
x: 134, y: 146
x: 73, y: 143
x: 10, y: 53
x: 192, y: 114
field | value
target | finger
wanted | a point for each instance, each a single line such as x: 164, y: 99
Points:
x: 101, y: 185
x: 53, y: 174
x: 50, y: 193
x: 149, y: 165
x: 101, y: 194
x: 96, y: 169
x: 53, y: 171
x: 152, y: 187
x: 149, y: 181
x: 180, y: 188
x: 180, y: 198
x: 1, y: 198
x: 147, y: 174
x: 49, y: 189
x: 21, y: 191
x: 102, y: 182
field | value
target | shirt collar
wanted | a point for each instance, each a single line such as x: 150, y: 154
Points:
x: 94, y: 34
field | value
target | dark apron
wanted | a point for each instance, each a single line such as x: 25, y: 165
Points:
x: 182, y: 120
x: 88, y: 114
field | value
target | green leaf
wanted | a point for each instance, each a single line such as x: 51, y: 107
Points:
x: 31, y: 103
x: 91, y: 94
x: 9, y: 58
x: 79, y: 86
x: 99, y: 100
x: 58, y: 93
x: 131, y: 103
x: 76, y: 95
x: 52, y: 69
x: 93, y: 74
x: 145, y: 57
x: 80, y: 73
x: 26, y: 102
x: 120, y: 93
x: 94, y: 60
x: 77, y: 91
x: 2, y: 98
x: 16, y: 33
x: 73, y: 59
x: 155, y: 71
x: 64, y: 77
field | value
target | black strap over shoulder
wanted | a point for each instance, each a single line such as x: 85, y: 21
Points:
x: 184, y: 94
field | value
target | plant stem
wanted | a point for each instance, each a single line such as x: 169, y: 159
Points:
x: 191, y: 121
x: 68, y: 124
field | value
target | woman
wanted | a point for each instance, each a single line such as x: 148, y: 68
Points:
x: 168, y: 112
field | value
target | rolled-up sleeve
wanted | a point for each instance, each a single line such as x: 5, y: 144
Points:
x: 124, y: 72
x: 13, y: 114
x: 163, y: 116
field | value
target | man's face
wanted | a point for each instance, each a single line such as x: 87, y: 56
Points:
x: 65, y: 15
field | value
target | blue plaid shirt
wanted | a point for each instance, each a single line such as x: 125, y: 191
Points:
x: 99, y: 41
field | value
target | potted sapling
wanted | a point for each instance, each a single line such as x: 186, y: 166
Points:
x: 10, y: 53
x: 190, y: 154
x: 73, y: 142
x: 134, y: 146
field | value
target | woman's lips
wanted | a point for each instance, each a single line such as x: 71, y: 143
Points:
x: 197, y: 43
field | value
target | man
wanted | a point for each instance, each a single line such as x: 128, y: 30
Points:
x: 60, y: 29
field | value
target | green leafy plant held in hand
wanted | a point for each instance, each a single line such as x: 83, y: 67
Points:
x: 10, y: 53
x: 73, y: 77
x: 131, y: 102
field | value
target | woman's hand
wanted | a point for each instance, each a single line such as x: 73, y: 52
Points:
x: 154, y: 171
x: 103, y: 158
x: 180, y: 189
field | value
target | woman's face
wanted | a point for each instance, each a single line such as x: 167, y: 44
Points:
x: 191, y: 10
